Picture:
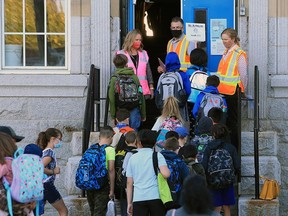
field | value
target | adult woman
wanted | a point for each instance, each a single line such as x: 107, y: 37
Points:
x: 138, y: 60
x: 48, y: 140
x: 232, y: 72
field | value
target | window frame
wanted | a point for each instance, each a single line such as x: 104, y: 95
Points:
x: 45, y: 69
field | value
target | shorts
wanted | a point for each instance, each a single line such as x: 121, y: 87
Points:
x: 223, y: 196
x: 51, y: 194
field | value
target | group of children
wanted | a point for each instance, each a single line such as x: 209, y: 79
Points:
x: 46, y: 142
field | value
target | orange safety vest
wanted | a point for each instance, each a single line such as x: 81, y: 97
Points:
x: 228, y: 72
x: 181, y: 50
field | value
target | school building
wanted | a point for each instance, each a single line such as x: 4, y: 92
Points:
x: 47, y: 48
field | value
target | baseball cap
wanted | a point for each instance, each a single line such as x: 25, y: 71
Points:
x: 182, y: 131
x: 8, y: 130
x: 33, y: 149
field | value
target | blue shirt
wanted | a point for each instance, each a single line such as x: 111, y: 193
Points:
x: 140, y: 168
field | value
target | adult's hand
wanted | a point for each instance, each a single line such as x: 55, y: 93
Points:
x: 160, y: 69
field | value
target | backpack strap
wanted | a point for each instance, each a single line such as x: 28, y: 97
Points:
x: 155, y: 162
x: 9, y: 198
x: 18, y: 152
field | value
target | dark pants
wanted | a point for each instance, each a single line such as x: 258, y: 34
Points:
x: 149, y: 208
x: 232, y: 118
x: 97, y: 200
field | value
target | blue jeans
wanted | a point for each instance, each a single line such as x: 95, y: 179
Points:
x: 135, y: 118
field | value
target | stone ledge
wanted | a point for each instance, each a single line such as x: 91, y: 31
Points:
x: 76, y: 142
x: 249, y: 206
x: 279, y: 85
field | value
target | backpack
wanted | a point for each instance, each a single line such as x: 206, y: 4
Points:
x: 92, y: 173
x: 169, y: 124
x: 221, y: 171
x: 209, y: 101
x: 170, y: 84
x: 27, y: 183
x: 120, y: 179
x: 174, y: 180
x: 198, y: 83
x: 127, y: 91
x: 201, y: 143
x: 191, y: 169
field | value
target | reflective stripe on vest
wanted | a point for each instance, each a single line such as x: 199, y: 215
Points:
x: 181, y: 50
x: 228, y: 72
x: 141, y: 69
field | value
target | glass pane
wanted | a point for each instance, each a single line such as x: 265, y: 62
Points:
x: 13, y: 50
x: 56, y: 50
x: 13, y: 16
x: 56, y: 16
x: 35, y: 50
x: 34, y: 11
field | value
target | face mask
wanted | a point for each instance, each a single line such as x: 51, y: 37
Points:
x: 176, y: 33
x: 58, y: 145
x: 136, y: 44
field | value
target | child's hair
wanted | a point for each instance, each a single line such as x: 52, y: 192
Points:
x: 171, y: 144
x: 7, y: 147
x: 147, y: 138
x: 198, y: 57
x: 120, y: 61
x: 130, y: 137
x: 106, y: 132
x: 122, y: 114
x: 171, y: 108
x: 213, y: 81
x: 129, y: 40
x: 232, y: 33
x: 188, y: 151
x: 216, y: 113
x: 170, y: 134
x: 45, y: 136
x: 219, y: 131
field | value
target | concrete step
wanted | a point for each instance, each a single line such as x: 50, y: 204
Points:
x: 269, y: 167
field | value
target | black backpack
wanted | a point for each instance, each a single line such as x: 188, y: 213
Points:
x: 127, y: 91
x: 221, y: 172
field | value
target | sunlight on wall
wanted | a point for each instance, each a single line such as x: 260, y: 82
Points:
x: 148, y: 30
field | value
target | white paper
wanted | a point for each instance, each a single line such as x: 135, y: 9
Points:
x: 195, y: 32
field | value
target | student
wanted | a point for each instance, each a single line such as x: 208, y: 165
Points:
x: 142, y: 188
x: 122, y: 127
x: 217, y: 115
x: 7, y: 150
x: 196, y: 199
x: 178, y: 169
x: 8, y: 130
x: 183, y: 137
x: 125, y: 91
x: 49, y: 140
x: 130, y: 149
x: 221, y: 186
x: 211, y: 88
x: 98, y: 199
x: 188, y: 154
x: 171, y: 134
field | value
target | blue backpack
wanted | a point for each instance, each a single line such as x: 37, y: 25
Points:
x: 92, y: 173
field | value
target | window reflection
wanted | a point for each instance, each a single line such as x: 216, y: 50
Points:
x: 56, y: 51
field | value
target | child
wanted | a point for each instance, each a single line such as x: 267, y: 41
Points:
x: 189, y: 153
x: 221, y: 186
x: 48, y: 140
x: 7, y: 150
x: 178, y: 169
x: 125, y: 92
x: 183, y: 137
x: 199, y: 108
x: 129, y: 149
x: 122, y: 127
x: 98, y: 199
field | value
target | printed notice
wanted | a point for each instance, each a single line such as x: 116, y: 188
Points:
x: 195, y: 32
x: 216, y: 28
x: 217, y: 47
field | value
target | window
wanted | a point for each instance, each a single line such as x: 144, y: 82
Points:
x: 35, y: 34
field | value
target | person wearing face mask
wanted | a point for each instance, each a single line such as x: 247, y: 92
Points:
x: 179, y: 44
x: 49, y: 140
x: 232, y: 72
x: 138, y: 59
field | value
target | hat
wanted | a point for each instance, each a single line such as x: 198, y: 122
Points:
x: 11, y: 132
x: 182, y: 131
x: 33, y: 149
x: 204, y: 125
